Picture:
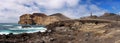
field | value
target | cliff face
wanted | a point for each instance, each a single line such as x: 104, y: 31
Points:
x: 26, y: 19
x: 41, y: 19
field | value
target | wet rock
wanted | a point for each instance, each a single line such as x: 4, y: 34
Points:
x: 26, y: 26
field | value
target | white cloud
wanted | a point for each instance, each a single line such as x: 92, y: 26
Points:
x: 10, y: 10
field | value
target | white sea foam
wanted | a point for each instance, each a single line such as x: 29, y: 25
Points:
x: 4, y: 32
x: 19, y: 30
x: 7, y: 25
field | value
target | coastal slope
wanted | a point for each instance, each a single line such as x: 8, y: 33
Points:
x: 92, y: 29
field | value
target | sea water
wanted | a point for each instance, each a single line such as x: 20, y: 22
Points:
x: 6, y: 28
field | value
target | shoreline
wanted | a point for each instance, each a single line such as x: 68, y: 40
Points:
x: 69, y: 31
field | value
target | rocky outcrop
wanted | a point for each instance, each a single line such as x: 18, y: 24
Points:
x: 70, y: 31
x: 41, y: 18
x: 26, y: 19
x: 74, y: 23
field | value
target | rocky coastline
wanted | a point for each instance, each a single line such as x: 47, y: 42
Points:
x: 85, y: 30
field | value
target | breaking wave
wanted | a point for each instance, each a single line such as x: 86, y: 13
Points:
x: 19, y: 30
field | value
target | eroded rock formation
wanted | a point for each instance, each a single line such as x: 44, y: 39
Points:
x: 26, y: 19
x: 70, y: 31
x: 41, y: 18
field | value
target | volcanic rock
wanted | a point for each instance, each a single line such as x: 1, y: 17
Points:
x: 61, y: 16
x: 67, y: 31
x: 70, y: 31
x: 41, y: 18
x: 26, y: 19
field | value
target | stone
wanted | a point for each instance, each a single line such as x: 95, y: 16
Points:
x: 41, y: 18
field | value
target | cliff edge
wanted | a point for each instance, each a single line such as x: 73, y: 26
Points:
x: 41, y: 18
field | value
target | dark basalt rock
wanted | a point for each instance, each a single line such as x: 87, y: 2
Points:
x: 26, y: 26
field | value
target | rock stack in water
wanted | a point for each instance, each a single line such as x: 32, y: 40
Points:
x: 41, y: 18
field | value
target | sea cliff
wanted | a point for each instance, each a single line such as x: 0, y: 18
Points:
x: 41, y: 18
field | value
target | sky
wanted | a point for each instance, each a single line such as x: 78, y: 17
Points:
x: 10, y: 10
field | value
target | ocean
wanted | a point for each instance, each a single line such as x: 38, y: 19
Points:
x: 6, y: 28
